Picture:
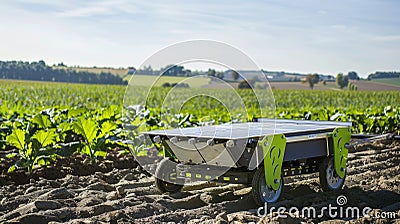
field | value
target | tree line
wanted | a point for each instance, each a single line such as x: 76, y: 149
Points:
x: 341, y: 80
x: 39, y: 71
x: 382, y: 75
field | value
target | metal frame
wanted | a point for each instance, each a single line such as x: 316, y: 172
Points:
x: 281, y: 152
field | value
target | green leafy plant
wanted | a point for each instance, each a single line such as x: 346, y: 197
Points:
x: 45, y: 121
x: 34, y: 150
x: 96, y: 138
x: 3, y: 135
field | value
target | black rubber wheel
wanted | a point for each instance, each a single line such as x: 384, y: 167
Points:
x: 164, y: 177
x: 328, y: 178
x: 261, y: 193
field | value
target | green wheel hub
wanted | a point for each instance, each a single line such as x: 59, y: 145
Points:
x: 274, y: 151
x: 340, y: 137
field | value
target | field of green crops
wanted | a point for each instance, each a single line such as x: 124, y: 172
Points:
x: 45, y: 121
x: 394, y: 82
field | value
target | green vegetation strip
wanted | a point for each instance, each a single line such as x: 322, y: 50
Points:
x: 46, y: 121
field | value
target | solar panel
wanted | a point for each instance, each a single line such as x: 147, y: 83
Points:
x: 252, y: 129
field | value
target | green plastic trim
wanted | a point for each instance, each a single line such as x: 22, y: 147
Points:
x: 340, y: 137
x: 165, y: 151
x: 274, y: 150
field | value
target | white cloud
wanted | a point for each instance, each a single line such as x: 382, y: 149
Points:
x: 100, y: 8
x: 339, y: 26
x: 387, y: 38
x: 306, y: 36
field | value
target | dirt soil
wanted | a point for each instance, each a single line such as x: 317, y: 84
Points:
x: 117, y: 191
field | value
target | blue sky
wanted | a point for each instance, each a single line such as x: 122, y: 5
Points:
x: 283, y: 35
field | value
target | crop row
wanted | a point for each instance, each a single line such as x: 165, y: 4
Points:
x: 41, y: 122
